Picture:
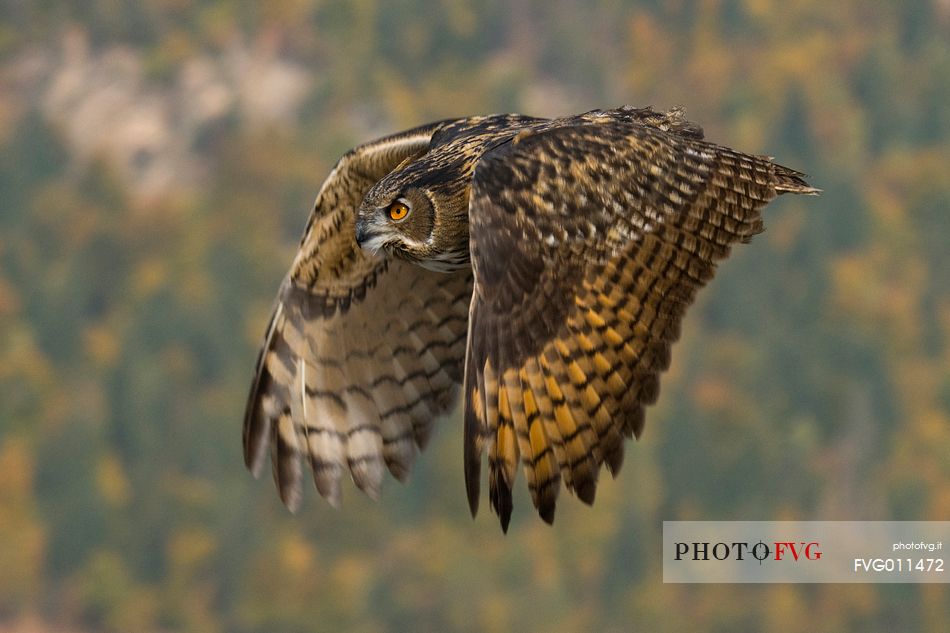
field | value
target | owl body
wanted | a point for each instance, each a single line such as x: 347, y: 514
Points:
x: 542, y: 266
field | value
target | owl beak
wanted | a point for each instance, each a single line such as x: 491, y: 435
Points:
x: 367, y: 235
x: 361, y: 232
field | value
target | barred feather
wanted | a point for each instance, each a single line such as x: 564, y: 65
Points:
x: 327, y: 394
x: 609, y: 226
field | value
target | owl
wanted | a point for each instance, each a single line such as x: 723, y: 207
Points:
x: 541, y: 267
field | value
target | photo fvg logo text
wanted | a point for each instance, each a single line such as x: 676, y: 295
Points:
x: 740, y: 550
x: 804, y: 551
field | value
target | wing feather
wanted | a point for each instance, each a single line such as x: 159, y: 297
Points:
x: 589, y: 239
x: 362, y: 353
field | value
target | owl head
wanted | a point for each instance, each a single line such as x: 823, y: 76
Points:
x: 416, y: 214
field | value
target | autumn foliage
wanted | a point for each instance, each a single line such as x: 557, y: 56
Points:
x: 157, y: 163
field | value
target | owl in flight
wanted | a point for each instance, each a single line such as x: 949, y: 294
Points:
x: 542, y: 265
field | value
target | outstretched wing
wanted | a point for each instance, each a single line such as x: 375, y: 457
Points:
x: 362, y: 352
x: 588, y: 242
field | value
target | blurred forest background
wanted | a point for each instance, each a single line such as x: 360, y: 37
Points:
x: 158, y: 159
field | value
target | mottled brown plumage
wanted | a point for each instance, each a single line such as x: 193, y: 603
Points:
x: 587, y: 238
x: 362, y: 353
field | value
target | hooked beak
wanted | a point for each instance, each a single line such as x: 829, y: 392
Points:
x: 367, y: 236
x: 362, y: 234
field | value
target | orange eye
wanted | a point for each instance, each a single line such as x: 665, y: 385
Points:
x: 398, y: 211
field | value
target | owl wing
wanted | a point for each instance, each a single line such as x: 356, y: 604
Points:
x: 362, y: 352
x: 588, y: 242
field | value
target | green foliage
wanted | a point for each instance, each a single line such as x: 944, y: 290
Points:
x: 812, y: 381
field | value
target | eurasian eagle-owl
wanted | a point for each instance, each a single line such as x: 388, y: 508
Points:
x: 543, y: 265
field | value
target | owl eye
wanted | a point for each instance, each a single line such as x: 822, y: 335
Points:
x: 398, y: 210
